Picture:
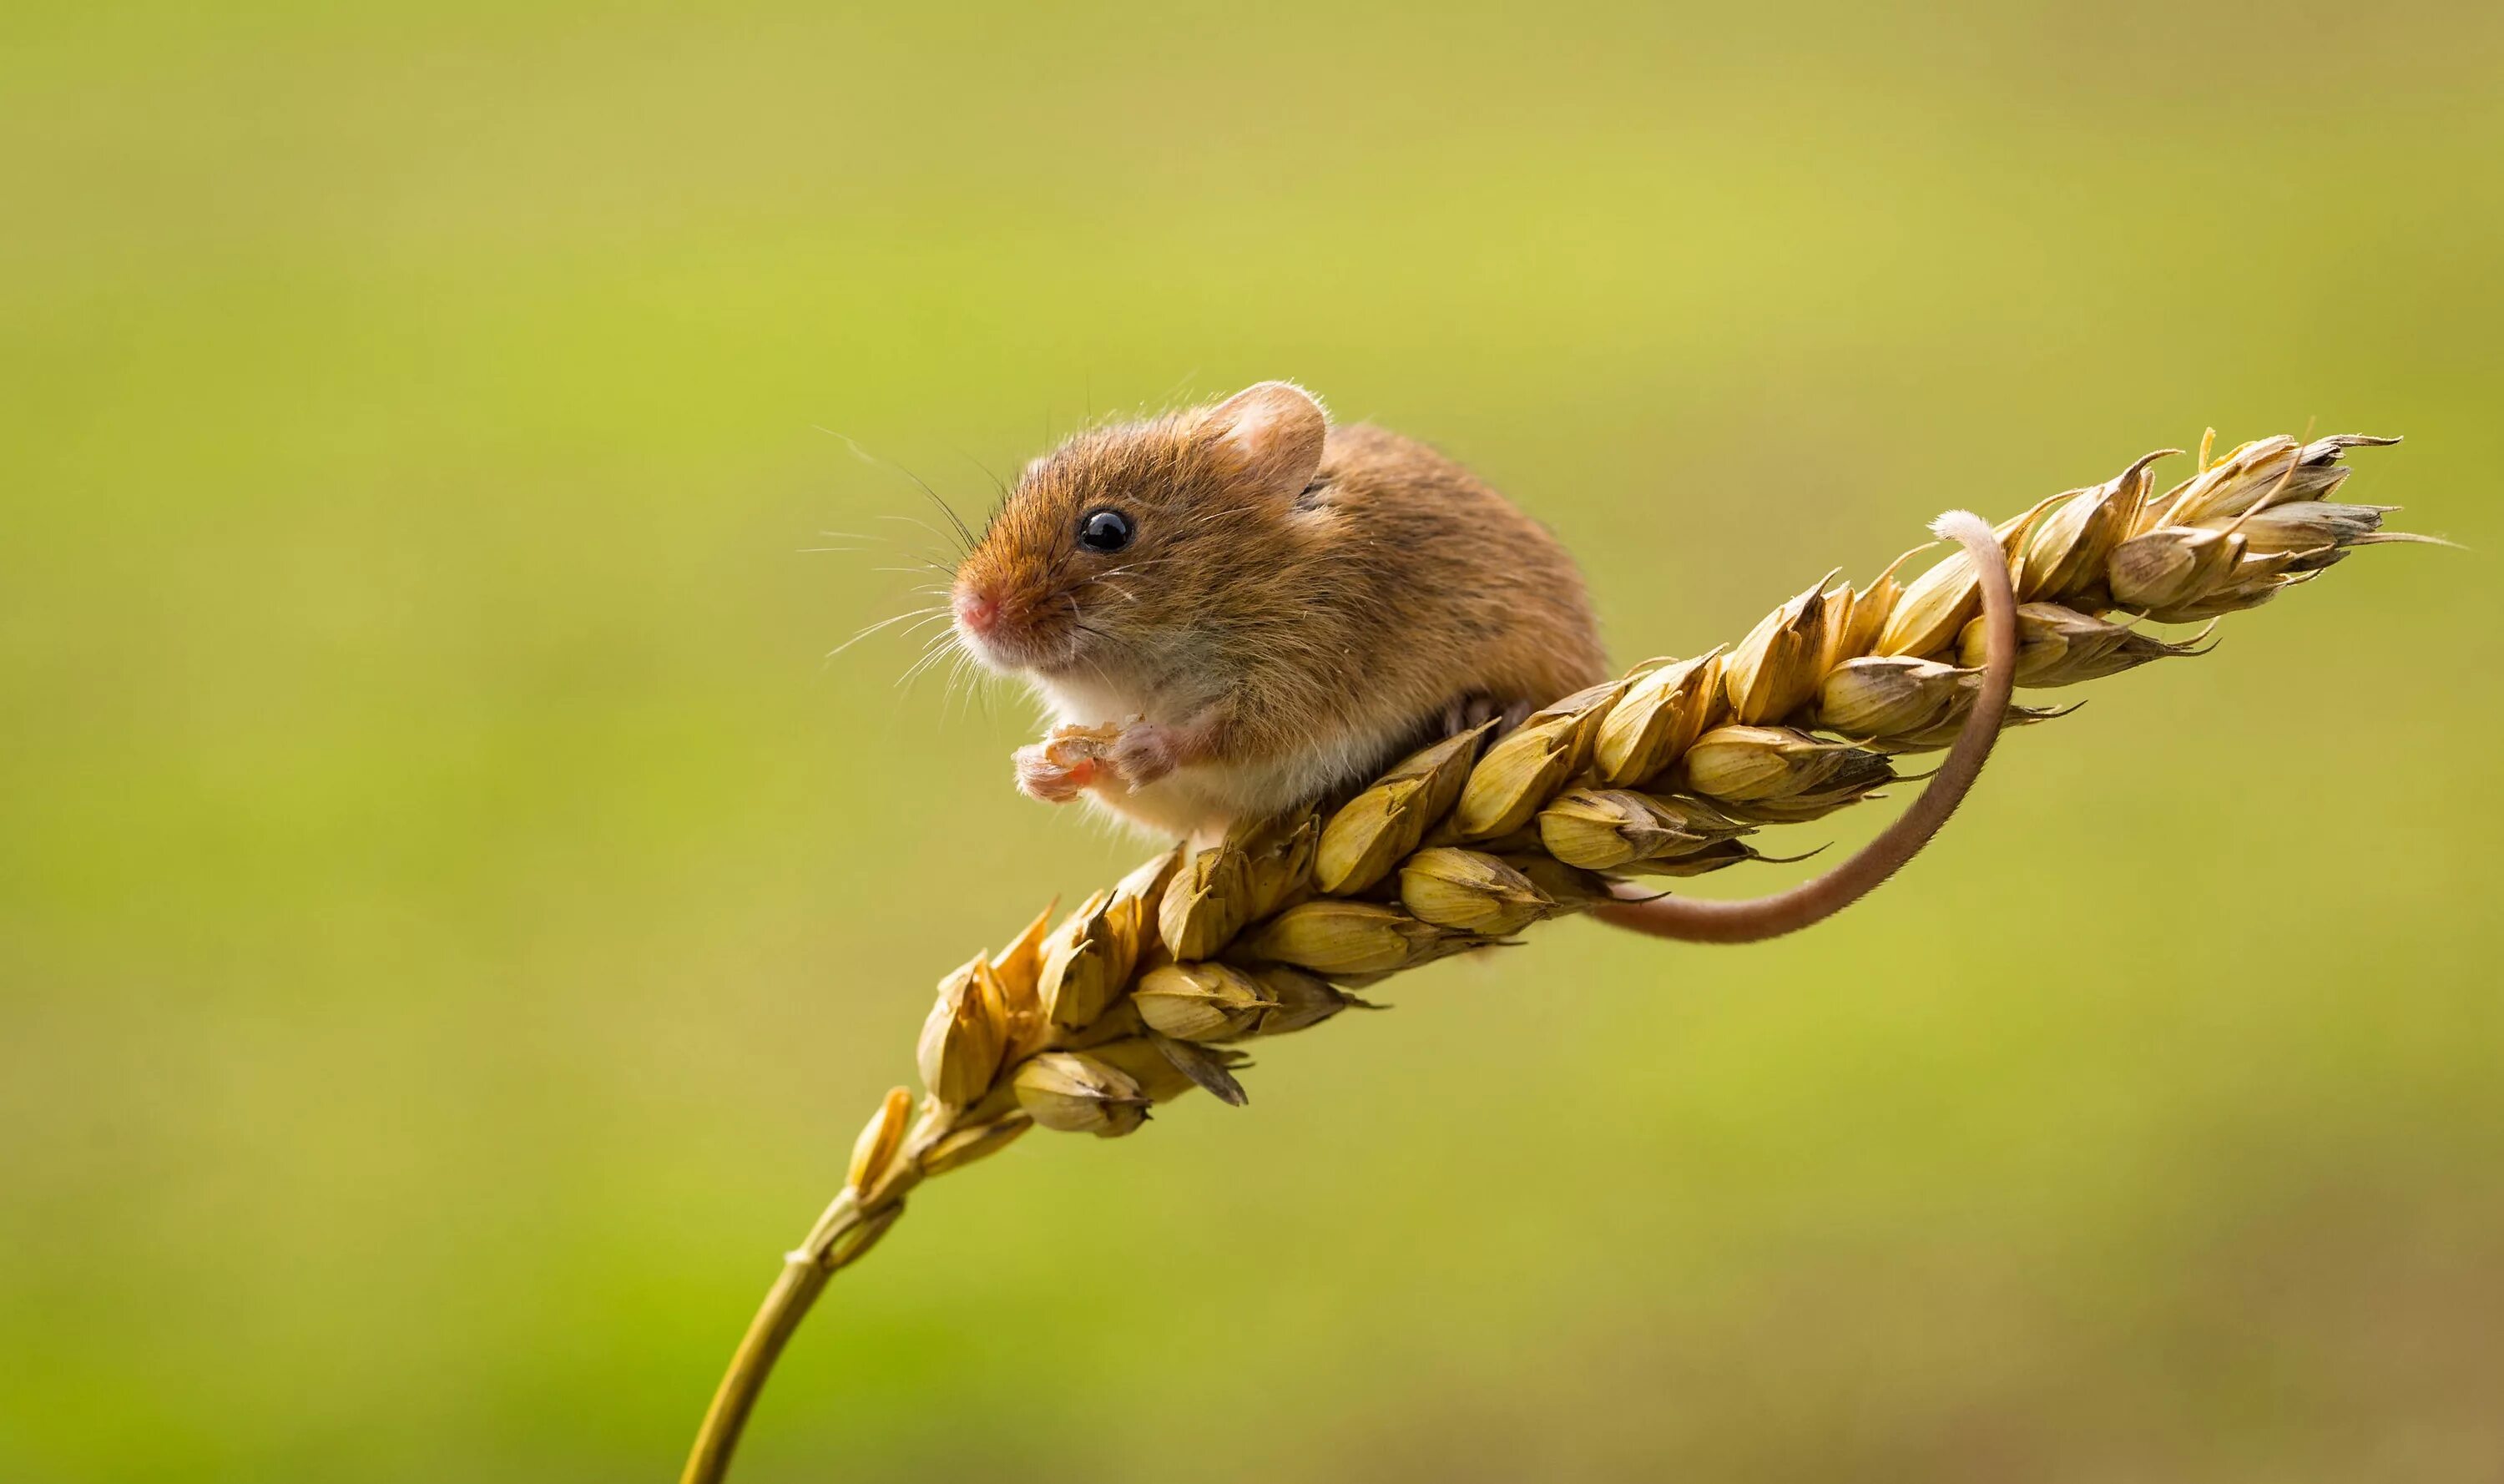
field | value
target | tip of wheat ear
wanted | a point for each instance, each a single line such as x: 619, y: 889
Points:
x: 1663, y: 772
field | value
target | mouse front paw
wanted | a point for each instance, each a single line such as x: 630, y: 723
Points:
x: 1064, y: 765
x: 1040, y: 776
x: 1145, y: 752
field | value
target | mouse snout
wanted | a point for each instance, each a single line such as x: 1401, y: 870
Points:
x: 978, y: 609
x: 1003, y: 625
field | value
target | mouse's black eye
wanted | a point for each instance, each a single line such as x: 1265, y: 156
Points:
x: 1104, y: 531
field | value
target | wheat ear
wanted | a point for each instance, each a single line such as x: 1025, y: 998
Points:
x: 1141, y: 993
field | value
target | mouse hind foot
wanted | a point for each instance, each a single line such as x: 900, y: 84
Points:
x: 1469, y: 711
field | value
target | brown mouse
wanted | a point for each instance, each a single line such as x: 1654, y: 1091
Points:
x: 1247, y: 608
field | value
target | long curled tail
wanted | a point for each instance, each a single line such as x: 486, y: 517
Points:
x: 1814, y: 901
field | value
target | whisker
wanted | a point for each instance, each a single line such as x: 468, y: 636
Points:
x: 929, y: 657
x: 914, y: 520
x: 997, y: 483
x: 958, y: 675
x: 963, y: 535
x: 928, y: 566
x: 932, y: 648
x: 927, y: 590
x: 885, y: 623
x: 904, y: 682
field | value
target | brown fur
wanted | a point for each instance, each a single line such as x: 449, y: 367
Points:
x: 1294, y: 609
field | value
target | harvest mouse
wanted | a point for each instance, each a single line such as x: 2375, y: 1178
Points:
x: 1254, y: 608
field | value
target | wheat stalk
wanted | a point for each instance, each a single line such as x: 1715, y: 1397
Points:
x: 1141, y: 993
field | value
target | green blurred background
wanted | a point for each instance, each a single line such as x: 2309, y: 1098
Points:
x: 453, y: 918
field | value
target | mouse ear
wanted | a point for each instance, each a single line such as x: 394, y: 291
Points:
x: 1273, y: 431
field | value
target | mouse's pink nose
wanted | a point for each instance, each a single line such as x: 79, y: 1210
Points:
x: 978, y: 611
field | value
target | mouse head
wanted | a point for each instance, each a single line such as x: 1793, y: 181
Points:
x: 1114, y: 545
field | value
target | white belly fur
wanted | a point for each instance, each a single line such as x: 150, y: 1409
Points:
x: 1203, y: 798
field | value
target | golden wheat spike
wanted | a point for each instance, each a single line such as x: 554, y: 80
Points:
x: 1135, y: 998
